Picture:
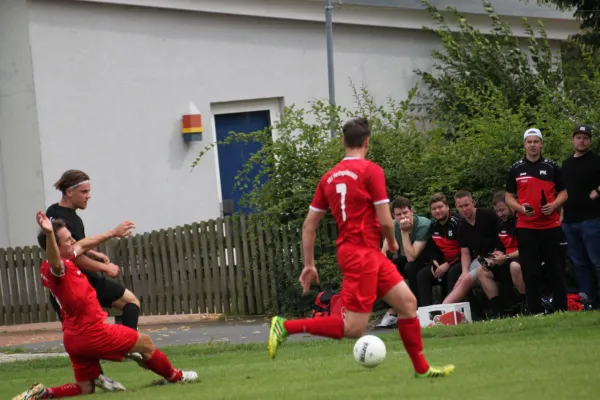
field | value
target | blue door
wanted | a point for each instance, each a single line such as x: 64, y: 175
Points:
x: 234, y: 155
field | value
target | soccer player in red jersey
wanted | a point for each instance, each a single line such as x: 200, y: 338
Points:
x: 355, y: 192
x: 86, y: 336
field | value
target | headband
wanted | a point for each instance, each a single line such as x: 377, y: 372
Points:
x: 78, y: 184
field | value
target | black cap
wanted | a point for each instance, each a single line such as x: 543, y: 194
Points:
x: 582, y: 129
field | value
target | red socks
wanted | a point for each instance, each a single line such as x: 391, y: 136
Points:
x: 68, y: 390
x: 160, y: 364
x: 331, y: 327
x: 410, y: 332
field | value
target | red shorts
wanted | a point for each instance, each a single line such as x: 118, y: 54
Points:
x: 111, y: 342
x: 367, y: 275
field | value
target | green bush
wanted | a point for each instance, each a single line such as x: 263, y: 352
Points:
x: 475, y: 60
x: 482, y: 94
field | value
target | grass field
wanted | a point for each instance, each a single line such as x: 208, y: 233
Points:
x: 553, y: 357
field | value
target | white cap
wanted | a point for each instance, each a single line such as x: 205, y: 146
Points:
x: 532, y: 132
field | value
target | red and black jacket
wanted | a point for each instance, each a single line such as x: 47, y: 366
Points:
x: 508, y: 236
x: 445, y: 238
x: 528, y: 180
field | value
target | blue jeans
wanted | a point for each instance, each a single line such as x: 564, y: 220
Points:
x: 584, y: 249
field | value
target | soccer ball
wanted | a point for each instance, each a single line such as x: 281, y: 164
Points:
x: 369, y: 351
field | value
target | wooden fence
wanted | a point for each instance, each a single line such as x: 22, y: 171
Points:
x: 228, y: 265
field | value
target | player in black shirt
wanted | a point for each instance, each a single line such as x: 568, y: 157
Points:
x: 534, y: 189
x: 75, y: 188
x: 581, y: 211
x: 477, y: 238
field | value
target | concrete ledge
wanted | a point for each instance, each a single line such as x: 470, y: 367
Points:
x: 7, y: 358
x: 144, y: 322
x: 403, y: 14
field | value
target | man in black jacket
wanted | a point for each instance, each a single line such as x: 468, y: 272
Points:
x: 581, y: 211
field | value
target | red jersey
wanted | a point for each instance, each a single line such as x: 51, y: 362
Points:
x: 445, y: 237
x: 351, y: 190
x: 79, y: 308
x: 507, y: 236
x: 529, y: 181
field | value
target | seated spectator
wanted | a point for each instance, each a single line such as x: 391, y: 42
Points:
x: 477, y: 237
x: 444, y: 267
x: 412, y: 234
x: 505, y: 265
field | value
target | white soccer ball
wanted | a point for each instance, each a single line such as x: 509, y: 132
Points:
x: 369, y: 351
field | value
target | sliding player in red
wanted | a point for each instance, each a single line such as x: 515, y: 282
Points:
x: 355, y: 192
x: 86, y: 336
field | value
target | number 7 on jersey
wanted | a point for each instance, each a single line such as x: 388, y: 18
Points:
x: 341, y: 189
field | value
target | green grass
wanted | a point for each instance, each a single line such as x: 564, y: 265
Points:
x: 12, y: 350
x: 524, y: 358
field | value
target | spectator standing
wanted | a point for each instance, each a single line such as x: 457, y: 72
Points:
x: 444, y: 268
x: 535, y: 190
x: 581, y: 211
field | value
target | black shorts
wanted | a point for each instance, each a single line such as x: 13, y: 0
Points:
x: 107, y: 290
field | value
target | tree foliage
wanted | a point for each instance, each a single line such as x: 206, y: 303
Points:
x: 518, y: 70
x: 588, y: 11
x: 482, y: 93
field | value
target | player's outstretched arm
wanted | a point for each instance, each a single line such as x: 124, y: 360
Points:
x: 124, y: 229
x: 52, y: 253
x: 98, y: 256
x: 309, y: 234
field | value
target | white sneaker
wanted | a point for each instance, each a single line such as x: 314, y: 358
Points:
x: 36, y: 391
x: 186, y: 376
x: 108, y: 385
x: 387, y: 321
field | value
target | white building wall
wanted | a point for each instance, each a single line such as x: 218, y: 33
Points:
x: 21, y: 185
x: 112, y: 83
